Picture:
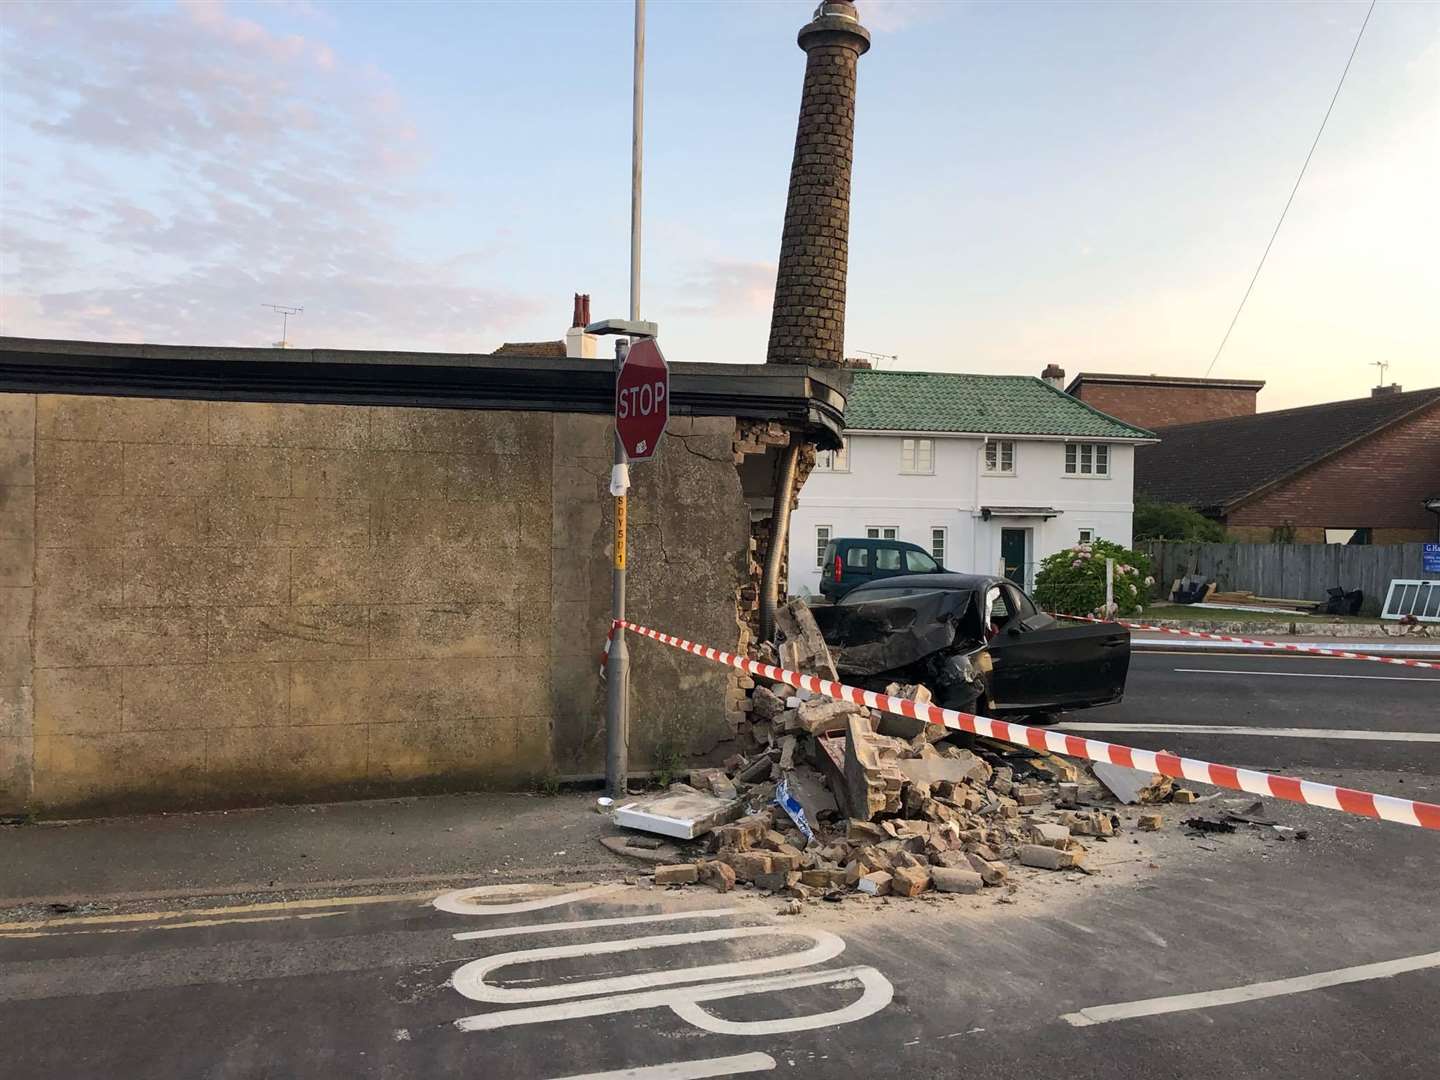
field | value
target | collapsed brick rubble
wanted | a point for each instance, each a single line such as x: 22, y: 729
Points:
x: 828, y: 798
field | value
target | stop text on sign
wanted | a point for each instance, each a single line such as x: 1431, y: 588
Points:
x: 647, y: 399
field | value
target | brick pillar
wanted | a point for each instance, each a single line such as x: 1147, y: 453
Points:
x: 808, y: 323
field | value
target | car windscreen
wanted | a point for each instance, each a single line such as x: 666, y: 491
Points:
x: 890, y: 592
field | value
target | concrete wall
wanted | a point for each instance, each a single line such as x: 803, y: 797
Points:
x: 874, y: 492
x: 208, y: 603
x: 1289, y: 571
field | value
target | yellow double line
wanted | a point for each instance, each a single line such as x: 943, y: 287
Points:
x: 145, y: 921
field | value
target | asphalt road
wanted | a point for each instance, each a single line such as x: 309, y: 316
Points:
x: 1242, y: 955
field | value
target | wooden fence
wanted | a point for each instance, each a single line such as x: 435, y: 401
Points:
x: 1292, y: 571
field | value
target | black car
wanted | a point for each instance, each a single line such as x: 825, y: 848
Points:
x: 850, y: 562
x: 978, y: 642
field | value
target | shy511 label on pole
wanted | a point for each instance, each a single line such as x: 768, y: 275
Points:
x: 642, y: 399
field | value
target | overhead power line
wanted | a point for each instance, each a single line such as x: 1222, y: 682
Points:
x: 1260, y: 265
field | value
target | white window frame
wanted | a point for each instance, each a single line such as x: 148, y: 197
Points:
x: 834, y: 461
x: 1087, y: 536
x: 877, y: 532
x: 822, y: 542
x: 943, y: 534
x: 917, y: 457
x: 1087, y: 460
x: 996, y: 449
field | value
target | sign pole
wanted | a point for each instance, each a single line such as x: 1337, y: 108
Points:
x: 617, y: 711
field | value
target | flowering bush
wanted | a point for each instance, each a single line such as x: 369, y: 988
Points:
x: 1072, y: 581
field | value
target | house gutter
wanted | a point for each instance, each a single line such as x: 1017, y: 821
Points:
x: 779, y: 531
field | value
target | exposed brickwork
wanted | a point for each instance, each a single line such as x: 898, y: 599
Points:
x: 1378, y: 483
x: 808, y: 324
x: 1161, y: 406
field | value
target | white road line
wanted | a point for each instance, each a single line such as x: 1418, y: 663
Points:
x: 1276, y: 732
x: 470, y: 979
x: 684, y: 1001
x: 1305, y: 675
x: 687, y: 1070
x: 1209, y: 999
x: 585, y: 924
x: 473, y: 901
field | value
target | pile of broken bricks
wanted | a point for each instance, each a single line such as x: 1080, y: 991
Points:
x: 834, y: 798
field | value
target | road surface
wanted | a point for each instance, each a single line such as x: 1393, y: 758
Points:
x: 1238, y: 956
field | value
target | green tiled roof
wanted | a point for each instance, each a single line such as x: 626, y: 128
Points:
x: 983, y: 404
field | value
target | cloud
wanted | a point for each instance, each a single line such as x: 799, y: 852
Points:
x: 174, y: 170
x: 889, y: 16
x: 727, y: 287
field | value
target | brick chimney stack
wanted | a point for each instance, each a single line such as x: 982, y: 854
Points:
x: 808, y: 323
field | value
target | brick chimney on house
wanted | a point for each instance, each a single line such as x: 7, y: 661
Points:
x: 577, y: 342
x: 1385, y: 391
x: 808, y: 322
x: 1054, y: 374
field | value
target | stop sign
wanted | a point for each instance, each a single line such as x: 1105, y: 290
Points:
x: 642, y: 399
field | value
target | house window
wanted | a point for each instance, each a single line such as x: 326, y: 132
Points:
x: 822, y: 541
x: 834, y: 460
x: 937, y: 544
x: 1000, y: 457
x: 1087, y: 459
x: 1087, y: 535
x: 917, y: 456
x: 882, y: 532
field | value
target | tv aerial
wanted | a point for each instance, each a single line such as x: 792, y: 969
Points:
x: 284, y: 312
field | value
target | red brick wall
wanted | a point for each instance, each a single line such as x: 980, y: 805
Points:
x: 1160, y: 406
x: 1378, y: 484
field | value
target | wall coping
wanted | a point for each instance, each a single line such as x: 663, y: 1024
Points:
x: 811, y: 397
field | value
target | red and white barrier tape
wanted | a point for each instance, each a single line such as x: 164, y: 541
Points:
x: 1406, y: 811
x: 1341, y: 654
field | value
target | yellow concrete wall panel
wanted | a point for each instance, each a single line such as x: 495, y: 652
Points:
x: 78, y: 468
x: 17, y: 416
x: 17, y: 461
x: 238, y: 423
x: 17, y: 562
x: 17, y: 661
x: 87, y: 521
x: 492, y: 749
x: 256, y: 470
x: 17, y: 755
x: 77, y: 701
x: 350, y: 474
x: 461, y: 431
x: 299, y: 632
x: 17, y: 711
x: 257, y: 762
x: 80, y: 636
x: 17, y: 513
x: 188, y: 696
x: 17, y: 609
x: 336, y: 574
x: 408, y: 631
x: 161, y: 469
x: 392, y: 691
x: 206, y: 576
x: 134, y: 420
x: 78, y: 577
x: 82, y: 771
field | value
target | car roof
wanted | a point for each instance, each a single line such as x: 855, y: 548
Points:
x: 840, y: 541
x: 931, y: 581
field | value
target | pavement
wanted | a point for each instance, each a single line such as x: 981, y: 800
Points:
x: 1403, y: 648
x: 1241, y: 955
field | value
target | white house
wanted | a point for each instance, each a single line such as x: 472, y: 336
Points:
x: 976, y: 469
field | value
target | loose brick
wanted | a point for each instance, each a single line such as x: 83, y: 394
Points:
x: 909, y: 880
x: 677, y: 874
x: 718, y: 875
x: 949, y: 880
x: 1151, y: 822
x: 876, y: 883
x: 1045, y: 857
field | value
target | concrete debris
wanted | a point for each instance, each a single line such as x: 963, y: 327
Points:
x: 827, y: 798
x: 1151, y: 822
x: 1182, y: 795
x: 681, y: 812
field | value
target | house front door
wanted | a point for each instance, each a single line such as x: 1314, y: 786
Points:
x: 1012, y: 553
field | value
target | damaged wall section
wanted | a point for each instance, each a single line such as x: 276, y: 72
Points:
x: 223, y: 602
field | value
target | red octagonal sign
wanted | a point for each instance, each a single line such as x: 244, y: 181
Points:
x: 642, y: 399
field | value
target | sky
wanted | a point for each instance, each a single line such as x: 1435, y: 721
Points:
x: 1088, y: 184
